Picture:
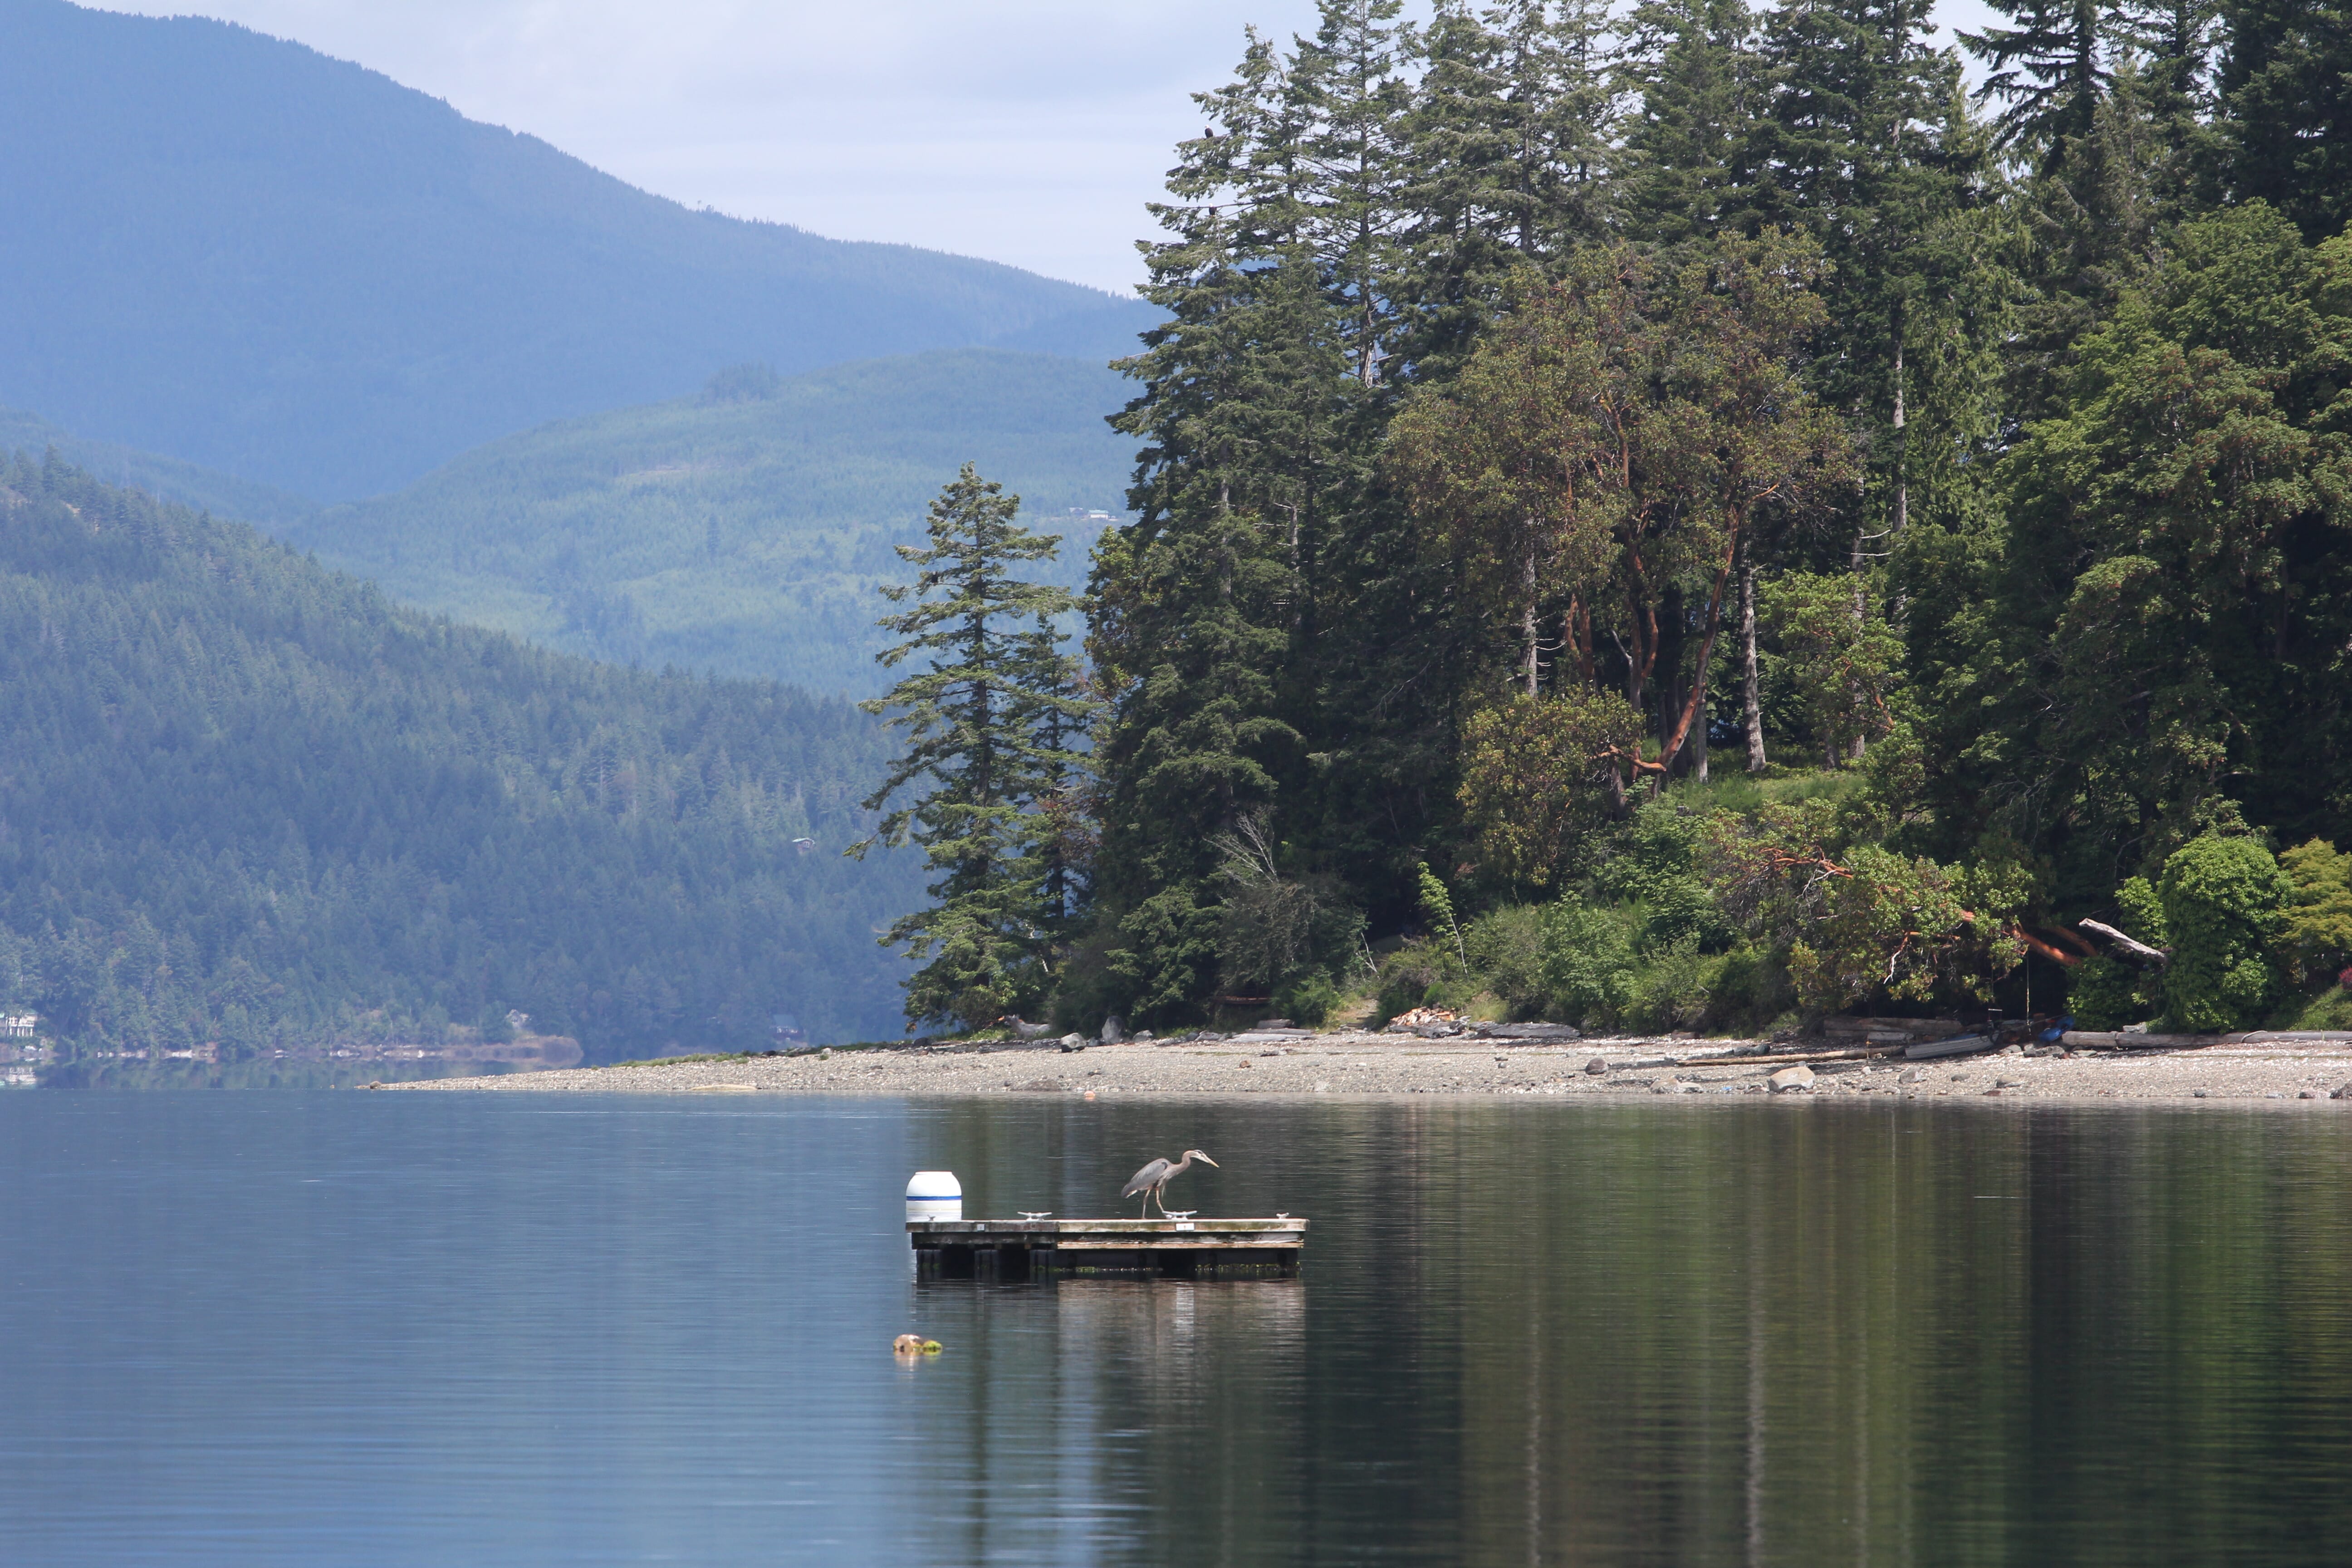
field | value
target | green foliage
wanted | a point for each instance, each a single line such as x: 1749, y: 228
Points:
x: 1844, y: 659
x: 2107, y: 993
x: 253, y: 804
x: 2224, y: 899
x: 2174, y: 537
x: 1652, y: 865
x: 736, y: 533
x: 1437, y: 908
x: 1883, y: 922
x: 1588, y: 967
x: 990, y: 721
x: 2317, y: 933
x: 1611, y: 440
x: 2140, y: 912
x: 2282, y: 125
x: 1531, y: 772
x: 1307, y: 1001
x: 1409, y: 979
x: 1505, y: 947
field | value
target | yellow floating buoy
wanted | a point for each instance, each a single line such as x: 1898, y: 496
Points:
x: 914, y: 1344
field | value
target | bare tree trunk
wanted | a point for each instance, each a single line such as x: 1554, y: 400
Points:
x: 1902, y: 467
x: 1751, y: 700
x: 1673, y: 690
x: 1527, y: 611
x: 1861, y: 614
x: 1698, y: 743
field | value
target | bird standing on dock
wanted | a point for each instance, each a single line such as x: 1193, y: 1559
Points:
x: 1154, y: 1179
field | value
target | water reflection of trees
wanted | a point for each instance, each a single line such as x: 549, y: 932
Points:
x: 1102, y: 1414
x: 1742, y: 1334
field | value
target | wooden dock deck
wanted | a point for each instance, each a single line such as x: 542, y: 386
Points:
x: 1025, y: 1249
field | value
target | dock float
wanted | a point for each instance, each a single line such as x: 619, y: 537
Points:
x: 1030, y: 1249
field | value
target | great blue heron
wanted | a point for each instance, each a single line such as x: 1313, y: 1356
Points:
x: 1154, y: 1179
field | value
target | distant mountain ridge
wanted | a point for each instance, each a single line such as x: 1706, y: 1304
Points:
x: 238, y: 251
x: 744, y: 530
x: 166, y: 479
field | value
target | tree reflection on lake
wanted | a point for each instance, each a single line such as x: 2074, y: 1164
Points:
x: 281, y: 1328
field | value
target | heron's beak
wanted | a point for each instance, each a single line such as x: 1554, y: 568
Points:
x: 1206, y: 1161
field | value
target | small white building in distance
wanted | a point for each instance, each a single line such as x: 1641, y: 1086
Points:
x: 18, y: 1026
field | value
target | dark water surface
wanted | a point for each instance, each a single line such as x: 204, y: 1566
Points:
x: 516, y: 1330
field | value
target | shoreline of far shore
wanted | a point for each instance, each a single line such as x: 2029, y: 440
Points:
x: 1353, y: 1064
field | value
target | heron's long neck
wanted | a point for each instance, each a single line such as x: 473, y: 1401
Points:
x: 1181, y: 1166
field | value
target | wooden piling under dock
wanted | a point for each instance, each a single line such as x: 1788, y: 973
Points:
x: 1027, y: 1248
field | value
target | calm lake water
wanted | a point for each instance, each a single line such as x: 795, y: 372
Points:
x: 516, y: 1330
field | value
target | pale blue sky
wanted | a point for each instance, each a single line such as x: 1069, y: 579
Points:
x: 1030, y: 131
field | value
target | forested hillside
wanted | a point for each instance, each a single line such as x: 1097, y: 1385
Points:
x: 247, y: 801
x: 1687, y: 515
x: 742, y: 530
x: 236, y: 251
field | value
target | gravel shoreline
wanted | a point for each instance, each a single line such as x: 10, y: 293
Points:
x: 1356, y: 1064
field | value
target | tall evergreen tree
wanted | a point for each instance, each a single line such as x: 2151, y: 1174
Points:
x: 2285, y: 122
x: 1690, y: 67
x: 985, y: 725
x: 2048, y: 72
x: 1510, y: 146
x: 1246, y: 394
x: 1352, y: 189
x: 1866, y: 145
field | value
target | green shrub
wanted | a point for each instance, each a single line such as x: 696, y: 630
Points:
x: 1672, y: 990
x: 1750, y: 987
x: 1406, y: 981
x: 1506, y: 953
x: 1588, y: 962
x: 1308, y: 1000
x: 2223, y: 902
x: 2318, y: 933
x: 2107, y: 993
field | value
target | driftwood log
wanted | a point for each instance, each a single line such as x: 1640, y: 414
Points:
x: 2139, y: 952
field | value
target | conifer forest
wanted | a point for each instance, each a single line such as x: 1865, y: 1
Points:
x: 1693, y: 517
x: 249, y: 806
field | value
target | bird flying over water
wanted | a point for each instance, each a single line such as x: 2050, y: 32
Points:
x: 1154, y: 1179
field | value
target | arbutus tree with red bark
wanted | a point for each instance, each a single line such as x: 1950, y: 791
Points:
x: 1606, y: 449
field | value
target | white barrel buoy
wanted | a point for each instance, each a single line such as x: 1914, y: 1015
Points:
x: 934, y: 1194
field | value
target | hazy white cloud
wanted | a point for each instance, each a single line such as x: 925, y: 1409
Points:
x: 1030, y: 131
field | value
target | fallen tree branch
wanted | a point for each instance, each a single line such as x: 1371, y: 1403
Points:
x: 2138, y: 952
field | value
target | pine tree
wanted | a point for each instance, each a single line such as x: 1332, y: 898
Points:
x: 1510, y: 150
x: 1866, y: 145
x: 1246, y: 394
x: 1352, y: 188
x: 987, y: 728
x: 2285, y: 119
x: 1690, y: 66
x: 2049, y: 72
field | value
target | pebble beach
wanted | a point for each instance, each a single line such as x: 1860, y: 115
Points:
x: 1361, y: 1064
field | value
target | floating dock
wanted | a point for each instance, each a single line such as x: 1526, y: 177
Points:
x: 1026, y: 1248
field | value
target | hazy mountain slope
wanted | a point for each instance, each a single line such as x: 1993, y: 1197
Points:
x: 742, y: 536
x: 165, y: 478
x: 240, y: 252
x: 247, y: 801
